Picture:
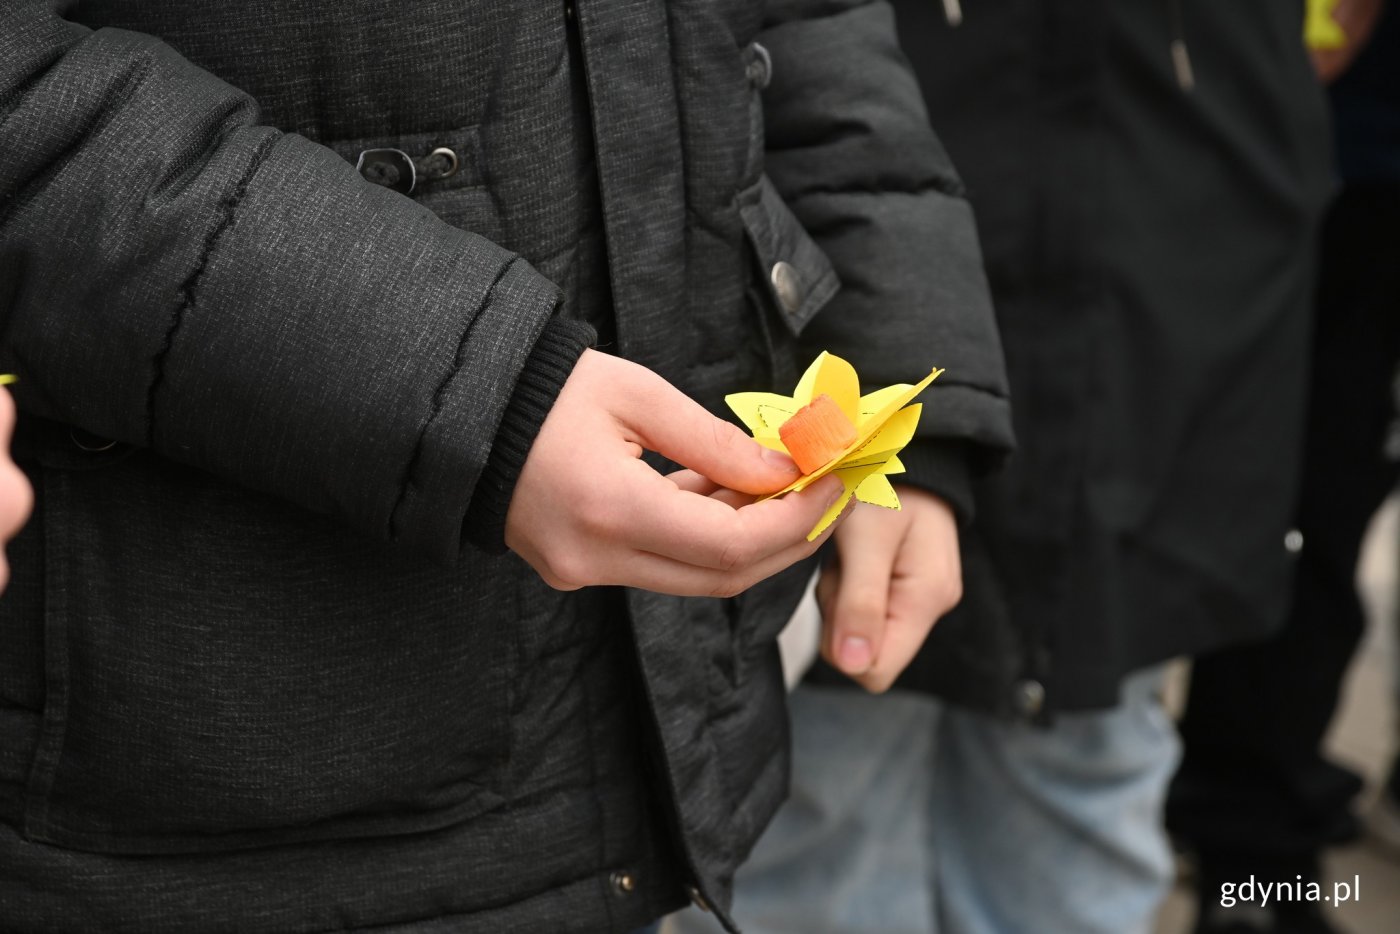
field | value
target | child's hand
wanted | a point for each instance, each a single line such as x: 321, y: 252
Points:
x: 587, y: 510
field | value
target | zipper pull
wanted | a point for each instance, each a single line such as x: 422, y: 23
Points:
x: 952, y: 11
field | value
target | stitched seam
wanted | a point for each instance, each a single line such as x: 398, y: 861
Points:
x: 187, y: 290
x: 439, y: 394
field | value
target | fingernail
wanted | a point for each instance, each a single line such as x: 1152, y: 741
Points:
x: 854, y: 655
x: 838, y: 490
x: 780, y: 461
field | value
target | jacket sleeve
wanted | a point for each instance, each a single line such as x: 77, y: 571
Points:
x: 850, y: 150
x: 175, y: 276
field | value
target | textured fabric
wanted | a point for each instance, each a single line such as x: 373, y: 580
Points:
x: 1150, y: 253
x: 909, y: 816
x: 265, y: 401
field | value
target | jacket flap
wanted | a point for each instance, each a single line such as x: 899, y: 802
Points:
x: 796, y: 272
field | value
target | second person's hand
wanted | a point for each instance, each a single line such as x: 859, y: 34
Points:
x: 895, y: 574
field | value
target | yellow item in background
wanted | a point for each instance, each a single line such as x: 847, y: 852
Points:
x: 1320, y: 31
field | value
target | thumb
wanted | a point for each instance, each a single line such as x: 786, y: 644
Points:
x: 669, y: 422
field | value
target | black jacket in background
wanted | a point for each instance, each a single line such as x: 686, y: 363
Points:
x: 1150, y: 250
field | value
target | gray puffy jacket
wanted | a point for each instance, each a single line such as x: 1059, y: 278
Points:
x: 250, y: 678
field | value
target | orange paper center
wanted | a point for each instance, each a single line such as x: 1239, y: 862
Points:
x: 816, y: 433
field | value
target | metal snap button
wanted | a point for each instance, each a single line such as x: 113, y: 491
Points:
x: 441, y: 163
x: 1028, y: 697
x: 391, y: 168
x: 1293, y: 541
x: 787, y: 287
x: 760, y: 68
x: 623, y: 883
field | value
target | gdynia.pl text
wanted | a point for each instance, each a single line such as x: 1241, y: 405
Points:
x: 1262, y: 893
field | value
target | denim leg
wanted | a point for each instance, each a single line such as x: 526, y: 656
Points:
x: 1055, y: 831
x: 846, y: 853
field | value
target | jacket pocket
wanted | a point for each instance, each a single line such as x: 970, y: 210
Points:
x: 226, y: 671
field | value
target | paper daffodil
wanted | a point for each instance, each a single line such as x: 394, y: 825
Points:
x: 827, y: 426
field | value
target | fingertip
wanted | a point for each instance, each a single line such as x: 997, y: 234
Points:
x: 827, y: 490
x: 854, y: 654
x: 780, y: 463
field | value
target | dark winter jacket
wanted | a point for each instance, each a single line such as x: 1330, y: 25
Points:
x: 1366, y: 107
x: 250, y: 678
x: 1148, y: 220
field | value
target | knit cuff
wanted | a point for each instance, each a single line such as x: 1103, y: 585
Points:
x: 943, y: 469
x: 546, y: 369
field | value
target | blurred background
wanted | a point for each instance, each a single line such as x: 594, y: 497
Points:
x: 1363, y: 737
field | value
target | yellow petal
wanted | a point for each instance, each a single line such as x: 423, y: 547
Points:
x: 887, y: 440
x: 761, y: 412
x: 803, y: 393
x: 896, y: 402
x: 830, y: 515
x: 873, y: 402
x: 851, y: 479
x: 876, y: 491
x: 837, y: 379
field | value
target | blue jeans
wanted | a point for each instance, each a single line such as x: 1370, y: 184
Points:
x: 909, y: 817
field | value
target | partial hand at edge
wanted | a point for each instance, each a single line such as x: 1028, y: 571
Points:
x: 1357, y: 19
x: 16, y: 497
x: 587, y: 510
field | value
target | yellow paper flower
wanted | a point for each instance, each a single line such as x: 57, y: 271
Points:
x: 883, y: 426
x: 8, y: 378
